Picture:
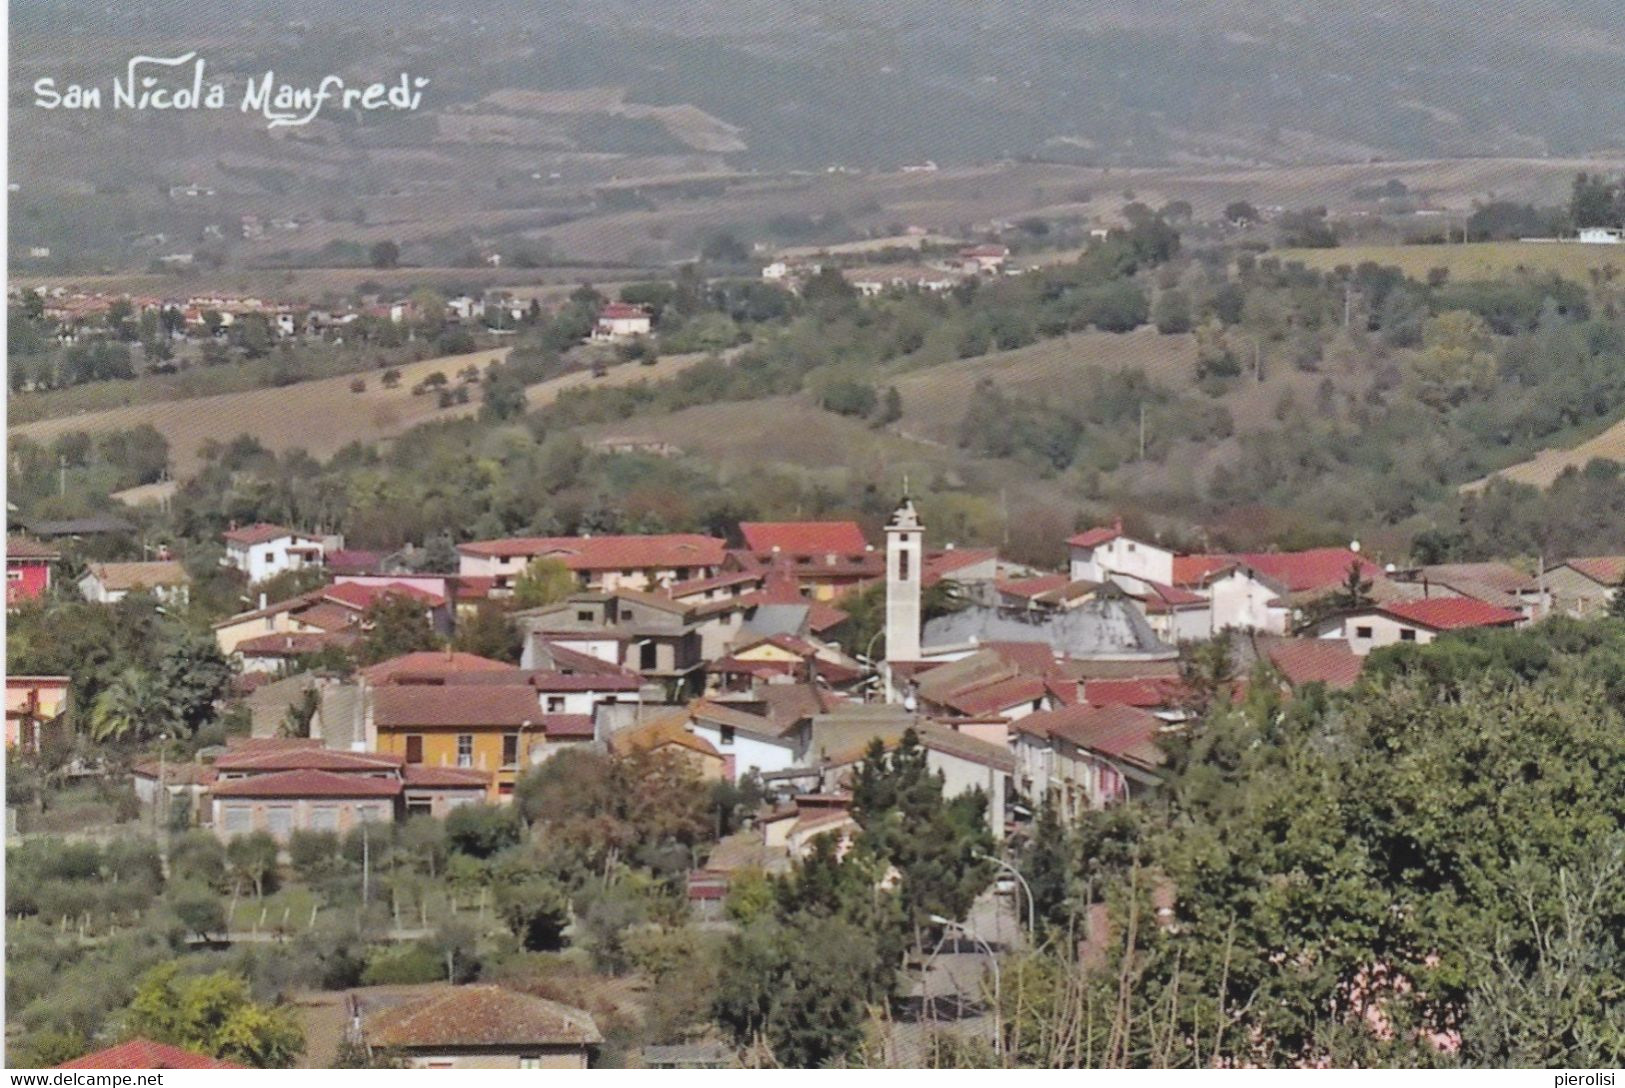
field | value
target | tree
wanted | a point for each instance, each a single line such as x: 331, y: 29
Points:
x: 193, y: 676
x: 1240, y: 213
x: 536, y: 911
x: 1456, y: 362
x: 545, y: 581
x: 1172, y: 312
x: 134, y: 705
x: 939, y: 846
x: 891, y: 407
x: 216, y: 1015
x: 482, y: 830
x: 252, y: 857
x: 384, y: 255
x: 1616, y: 603
x: 198, y: 909
x: 395, y: 624
x: 490, y: 632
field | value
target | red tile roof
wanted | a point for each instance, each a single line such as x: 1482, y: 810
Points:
x: 616, y: 310
x: 1123, y: 732
x: 1033, y: 587
x: 422, y: 776
x: 352, y: 561
x: 1138, y: 693
x: 430, y: 662
x: 305, y: 759
x: 1094, y: 538
x: 289, y: 644
x: 480, y: 1016
x: 1316, y: 568
x: 999, y: 695
x: 260, y: 533
x: 465, y: 705
x: 1609, y: 570
x: 24, y: 547
x: 357, y: 595
x: 804, y: 537
x: 1452, y: 613
x: 568, y: 726
x: 146, y: 1054
x: 1194, y: 570
x: 609, y: 552
x: 308, y: 784
x: 1327, y: 661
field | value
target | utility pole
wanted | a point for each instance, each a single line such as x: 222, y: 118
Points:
x: 1142, y: 430
x: 61, y: 475
x: 366, y: 866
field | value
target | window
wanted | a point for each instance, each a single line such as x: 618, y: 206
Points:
x: 420, y: 808
x: 368, y: 814
x: 237, y: 818
x: 530, y: 1061
x: 14, y: 575
x: 1362, y: 632
x: 584, y: 615
x: 279, y: 820
x: 727, y: 734
x: 647, y: 658
x: 510, y: 749
x: 1407, y: 634
x: 324, y: 818
x: 555, y: 704
x: 681, y: 574
x: 465, y: 750
x: 1130, y: 546
x: 902, y: 564
x: 626, y: 615
x: 414, y: 749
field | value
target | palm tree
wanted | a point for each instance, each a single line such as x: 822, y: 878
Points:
x: 134, y: 705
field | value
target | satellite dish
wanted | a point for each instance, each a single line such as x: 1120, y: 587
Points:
x: 1354, y: 546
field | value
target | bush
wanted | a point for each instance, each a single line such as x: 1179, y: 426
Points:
x: 313, y: 854
x: 404, y: 964
x: 482, y: 830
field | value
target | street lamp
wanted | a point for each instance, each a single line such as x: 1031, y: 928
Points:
x: 1032, y: 924
x: 998, y: 990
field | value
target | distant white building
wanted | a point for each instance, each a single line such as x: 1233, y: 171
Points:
x: 263, y: 551
x: 621, y: 321
x: 1602, y: 236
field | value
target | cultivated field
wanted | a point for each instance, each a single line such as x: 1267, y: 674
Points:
x: 323, y: 416
x: 1541, y: 469
x: 1473, y: 261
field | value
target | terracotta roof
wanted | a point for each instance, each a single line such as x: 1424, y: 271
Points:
x: 1609, y: 570
x: 305, y: 759
x: 260, y: 533
x: 432, y: 705
x: 609, y: 552
x: 357, y: 595
x: 176, y: 774
x: 430, y: 662
x: 1094, y: 538
x: 422, y: 776
x: 1501, y: 576
x: 352, y: 561
x: 474, y: 1016
x: 940, y: 564
x: 804, y: 537
x: 328, y: 616
x: 1030, y: 588
x: 660, y: 732
x: 568, y: 726
x: 471, y: 587
x: 621, y: 310
x: 26, y: 547
x: 1123, y: 732
x: 1316, y: 568
x: 720, y: 581
x: 127, y: 576
x: 292, y: 643
x: 937, y: 738
x: 1194, y: 570
x: 1327, y: 661
x: 999, y: 695
x: 1138, y: 693
x: 1452, y: 613
x: 308, y: 784
x: 146, y: 1054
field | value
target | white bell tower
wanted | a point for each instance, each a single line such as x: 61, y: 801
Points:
x: 905, y: 555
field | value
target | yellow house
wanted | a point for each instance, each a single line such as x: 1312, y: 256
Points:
x: 496, y: 728
x: 669, y: 733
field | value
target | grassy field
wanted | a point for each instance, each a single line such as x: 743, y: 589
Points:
x: 322, y: 416
x: 1474, y: 261
x: 1541, y: 469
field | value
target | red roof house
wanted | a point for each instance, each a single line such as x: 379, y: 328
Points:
x: 146, y: 1054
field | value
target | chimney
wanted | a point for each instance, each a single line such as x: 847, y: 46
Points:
x: 263, y: 601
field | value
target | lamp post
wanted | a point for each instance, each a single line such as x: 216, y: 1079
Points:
x: 1032, y: 924
x: 998, y: 990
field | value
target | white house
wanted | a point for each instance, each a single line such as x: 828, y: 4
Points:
x: 109, y: 583
x: 1246, y: 600
x: 1097, y: 553
x: 621, y: 321
x: 748, y: 742
x: 263, y: 551
x: 1602, y: 236
x: 1418, y: 622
